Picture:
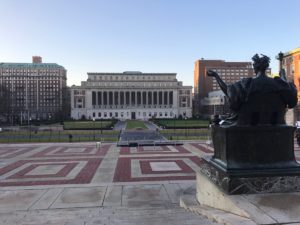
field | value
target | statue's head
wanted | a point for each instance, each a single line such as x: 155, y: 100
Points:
x: 260, y: 63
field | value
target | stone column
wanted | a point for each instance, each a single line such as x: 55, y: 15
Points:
x: 103, y: 100
x: 152, y: 92
x: 157, y: 97
x: 96, y: 105
x: 121, y: 98
x: 107, y: 96
x: 135, y: 99
x: 167, y: 99
x: 158, y: 94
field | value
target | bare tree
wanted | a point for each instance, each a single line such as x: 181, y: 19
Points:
x: 5, y: 103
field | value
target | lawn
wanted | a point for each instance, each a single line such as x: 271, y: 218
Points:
x: 135, y: 124
x: 182, y: 123
x: 58, y: 136
x: 200, y: 132
x: 81, y: 125
x: 186, y: 134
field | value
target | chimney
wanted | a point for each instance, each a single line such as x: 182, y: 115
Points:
x: 36, y: 59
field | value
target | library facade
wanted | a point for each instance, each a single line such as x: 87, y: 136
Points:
x: 131, y: 95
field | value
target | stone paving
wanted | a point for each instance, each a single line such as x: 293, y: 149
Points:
x: 80, y: 183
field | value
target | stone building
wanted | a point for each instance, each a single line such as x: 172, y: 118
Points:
x: 131, y: 95
x: 35, y: 89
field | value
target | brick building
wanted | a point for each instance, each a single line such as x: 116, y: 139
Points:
x: 291, y: 64
x: 36, y: 89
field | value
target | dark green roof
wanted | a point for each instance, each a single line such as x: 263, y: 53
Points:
x: 30, y: 65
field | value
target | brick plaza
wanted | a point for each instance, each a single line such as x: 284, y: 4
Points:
x: 79, y: 183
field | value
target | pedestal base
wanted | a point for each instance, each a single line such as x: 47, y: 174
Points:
x: 253, y: 147
x: 270, y: 208
x: 251, y: 181
x: 253, y: 159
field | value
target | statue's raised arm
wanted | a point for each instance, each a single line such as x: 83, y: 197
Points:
x: 221, y: 83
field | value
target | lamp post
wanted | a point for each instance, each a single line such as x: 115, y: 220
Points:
x: 280, y: 58
x: 174, y: 125
x: 94, y: 126
x: 50, y: 126
x: 185, y: 127
x: 282, y: 72
x: 30, y: 128
x: 101, y: 128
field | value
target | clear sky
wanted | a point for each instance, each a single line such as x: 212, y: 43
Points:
x: 145, y: 35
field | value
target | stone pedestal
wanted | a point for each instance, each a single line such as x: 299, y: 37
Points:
x: 270, y: 208
x: 257, y: 159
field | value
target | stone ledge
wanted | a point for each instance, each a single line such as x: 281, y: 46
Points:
x: 272, y: 208
x: 190, y: 203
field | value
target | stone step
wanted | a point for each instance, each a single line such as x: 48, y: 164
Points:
x: 189, y: 202
x: 106, y: 215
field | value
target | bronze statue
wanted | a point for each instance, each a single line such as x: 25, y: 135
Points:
x: 255, y: 152
x: 260, y: 100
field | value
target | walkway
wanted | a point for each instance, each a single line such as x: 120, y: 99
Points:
x: 81, y: 184
x: 151, y: 126
x: 78, y: 183
x: 140, y: 136
x: 120, y: 125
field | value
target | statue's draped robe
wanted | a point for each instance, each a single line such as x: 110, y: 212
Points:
x: 239, y: 92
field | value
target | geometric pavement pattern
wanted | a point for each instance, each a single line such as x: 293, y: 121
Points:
x: 157, y: 163
x: 85, y: 163
x: 132, y: 169
x: 52, y: 165
x: 32, y: 172
x: 10, y: 152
